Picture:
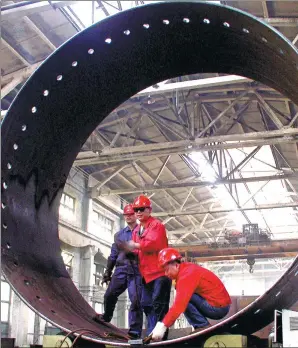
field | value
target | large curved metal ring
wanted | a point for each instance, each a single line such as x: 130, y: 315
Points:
x: 74, y: 90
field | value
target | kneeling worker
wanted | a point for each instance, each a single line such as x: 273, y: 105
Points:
x: 200, y: 294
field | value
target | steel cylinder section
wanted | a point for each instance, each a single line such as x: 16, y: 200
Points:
x: 73, y: 91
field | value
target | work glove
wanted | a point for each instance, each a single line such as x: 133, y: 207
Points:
x: 107, y: 276
x: 159, y: 331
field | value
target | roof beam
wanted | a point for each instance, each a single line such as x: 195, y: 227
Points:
x: 39, y: 33
x: 154, y: 188
x: 275, y: 249
x: 265, y: 9
x: 26, y: 8
x: 281, y: 22
x: 102, y: 183
x: 269, y: 111
x: 16, y: 53
x: 194, y: 84
x: 223, y: 113
x: 285, y: 135
x: 15, y: 78
x: 218, y: 211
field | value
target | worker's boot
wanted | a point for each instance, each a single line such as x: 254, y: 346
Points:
x: 133, y: 335
x: 100, y: 318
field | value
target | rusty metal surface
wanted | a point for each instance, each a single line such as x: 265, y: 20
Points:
x: 72, y: 92
x: 275, y: 248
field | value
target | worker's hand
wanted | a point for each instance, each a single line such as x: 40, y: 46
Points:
x: 159, y: 331
x: 131, y: 245
x: 128, y: 246
x: 107, y: 276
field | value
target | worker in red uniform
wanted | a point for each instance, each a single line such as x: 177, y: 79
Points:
x: 148, y: 239
x: 200, y: 294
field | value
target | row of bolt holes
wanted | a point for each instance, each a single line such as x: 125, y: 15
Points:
x: 109, y: 41
x: 127, y: 32
x: 27, y: 283
x: 91, y: 51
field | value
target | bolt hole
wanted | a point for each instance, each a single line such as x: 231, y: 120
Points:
x: 126, y: 32
x: 26, y: 282
x: 91, y: 51
x: 186, y: 20
x: 24, y: 127
x: 38, y: 297
x: 46, y: 92
x: 278, y: 294
x: 166, y: 22
x: 70, y: 323
x: 15, y: 263
x: 206, y: 21
x: 53, y: 311
x: 15, y: 146
x: 226, y: 24
x: 8, y: 245
x: 246, y: 31
x: 3, y: 205
x: 9, y: 166
x: 108, y: 40
x: 34, y: 109
x: 75, y: 63
x: 264, y: 39
x: 146, y: 26
x: 4, y: 226
x: 5, y: 185
x: 59, y: 77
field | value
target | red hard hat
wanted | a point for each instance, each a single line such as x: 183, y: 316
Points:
x: 168, y: 255
x: 142, y: 202
x: 128, y: 210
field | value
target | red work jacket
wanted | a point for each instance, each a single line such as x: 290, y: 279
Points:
x: 152, y: 240
x: 196, y: 279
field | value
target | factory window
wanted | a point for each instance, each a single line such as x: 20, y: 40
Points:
x: 5, y: 307
x: 67, y: 259
x: 99, y: 220
x: 67, y: 207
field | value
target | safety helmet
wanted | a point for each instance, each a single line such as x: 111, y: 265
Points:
x: 128, y: 210
x: 142, y: 202
x: 168, y: 255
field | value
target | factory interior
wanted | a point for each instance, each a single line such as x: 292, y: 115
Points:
x: 215, y: 152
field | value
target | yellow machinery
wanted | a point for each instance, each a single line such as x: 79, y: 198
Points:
x: 222, y: 341
x: 52, y: 341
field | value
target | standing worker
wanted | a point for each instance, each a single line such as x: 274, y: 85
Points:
x: 200, y: 294
x: 147, y: 240
x: 126, y: 276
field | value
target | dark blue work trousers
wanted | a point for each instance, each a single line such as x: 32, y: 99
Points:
x: 123, y: 279
x: 155, y: 300
x: 198, y: 310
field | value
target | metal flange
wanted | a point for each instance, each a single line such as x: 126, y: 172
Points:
x: 73, y: 91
